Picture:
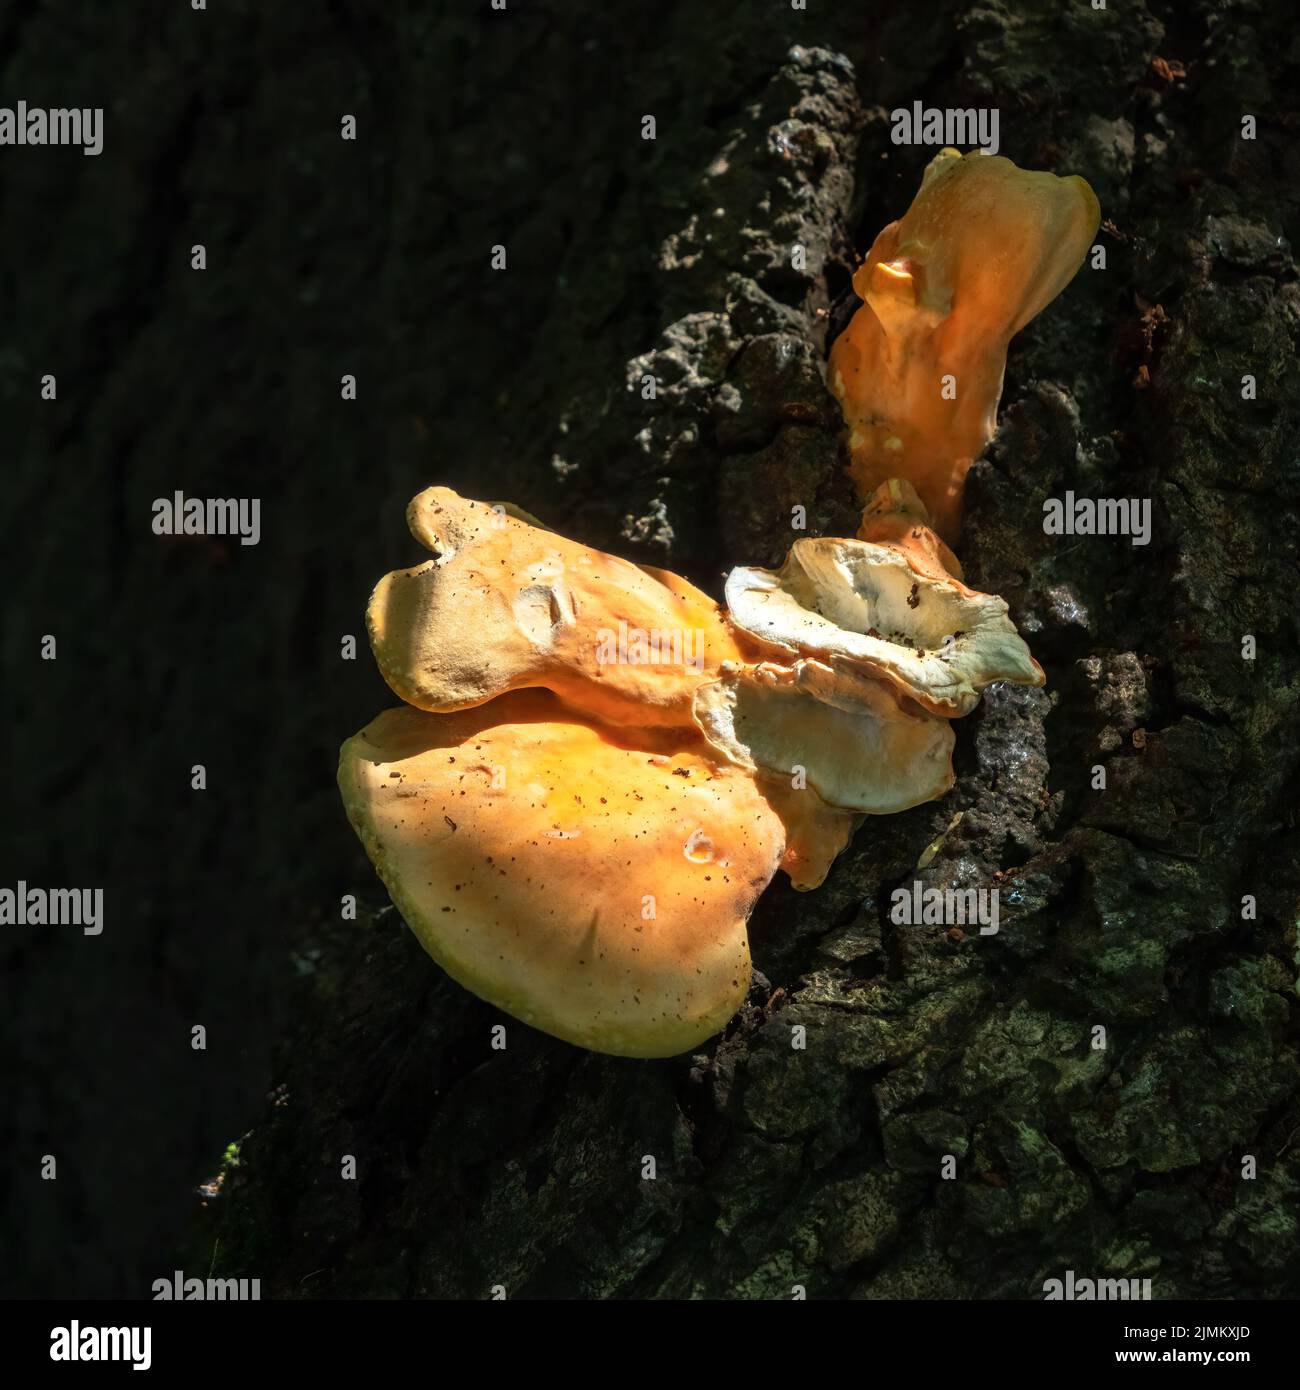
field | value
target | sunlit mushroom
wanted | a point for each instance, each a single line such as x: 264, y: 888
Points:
x: 595, y: 890
x: 918, y: 371
x: 506, y: 604
x: 859, y: 745
x: 865, y: 606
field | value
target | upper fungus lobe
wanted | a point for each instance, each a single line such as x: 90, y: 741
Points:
x: 918, y: 372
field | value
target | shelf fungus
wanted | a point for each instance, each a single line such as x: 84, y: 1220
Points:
x: 506, y: 604
x: 854, y: 741
x: 597, y: 770
x: 866, y: 607
x: 918, y: 371
x: 594, y: 890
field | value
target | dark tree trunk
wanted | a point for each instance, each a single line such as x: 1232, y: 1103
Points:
x: 1122, y: 907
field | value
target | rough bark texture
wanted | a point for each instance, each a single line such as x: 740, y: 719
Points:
x: 1122, y: 908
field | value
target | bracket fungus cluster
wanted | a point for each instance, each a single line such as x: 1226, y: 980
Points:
x: 597, y: 769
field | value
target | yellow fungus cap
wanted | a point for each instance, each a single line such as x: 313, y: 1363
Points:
x: 593, y: 890
x: 506, y: 604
